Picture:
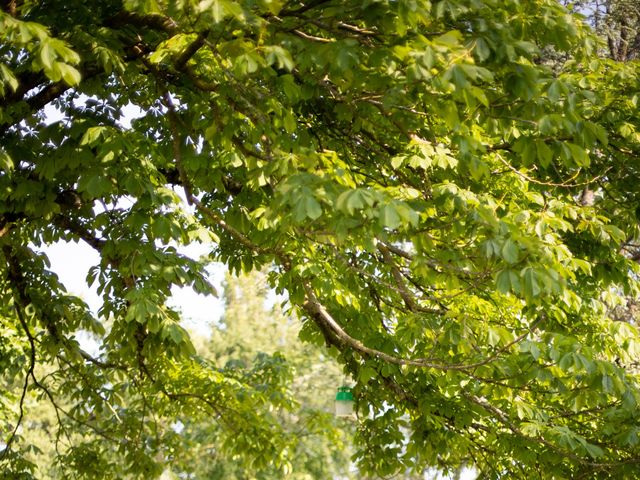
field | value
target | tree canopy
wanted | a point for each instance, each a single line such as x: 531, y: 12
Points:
x: 446, y: 191
x: 323, y: 447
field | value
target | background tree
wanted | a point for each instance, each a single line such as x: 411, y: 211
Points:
x: 323, y: 448
x: 413, y: 174
x: 251, y: 332
x: 617, y: 21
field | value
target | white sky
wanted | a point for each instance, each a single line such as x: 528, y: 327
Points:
x: 72, y: 261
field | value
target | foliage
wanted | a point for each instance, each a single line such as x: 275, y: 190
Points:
x: 617, y: 21
x: 448, y: 214
x: 309, y: 381
x: 251, y: 334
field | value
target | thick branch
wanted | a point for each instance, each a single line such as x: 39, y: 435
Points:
x: 191, y: 50
x: 150, y: 20
x: 303, y: 8
x: 80, y: 231
x: 323, y: 318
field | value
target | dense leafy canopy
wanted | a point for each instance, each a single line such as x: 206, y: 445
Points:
x: 446, y: 191
x: 322, y: 449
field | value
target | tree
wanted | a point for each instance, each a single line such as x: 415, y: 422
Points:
x: 250, y: 335
x: 618, y: 22
x: 447, y: 214
x: 323, y: 447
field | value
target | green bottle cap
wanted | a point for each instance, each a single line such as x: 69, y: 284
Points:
x: 344, y: 394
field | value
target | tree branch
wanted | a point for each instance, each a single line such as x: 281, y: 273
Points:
x: 191, y: 50
x: 154, y: 21
x: 323, y: 318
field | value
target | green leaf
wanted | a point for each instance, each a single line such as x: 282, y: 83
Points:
x: 312, y: 208
x: 531, y: 285
x: 92, y: 135
x: 70, y: 75
x: 579, y: 155
x: 510, y: 251
x: 47, y: 55
x: 508, y: 280
x: 482, y: 49
x: 222, y: 8
x: 593, y: 450
x: 8, y: 77
x: 6, y: 162
x: 544, y: 153
x: 350, y: 201
x: 389, y: 217
x: 366, y: 373
x: 279, y: 56
x: 450, y: 39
